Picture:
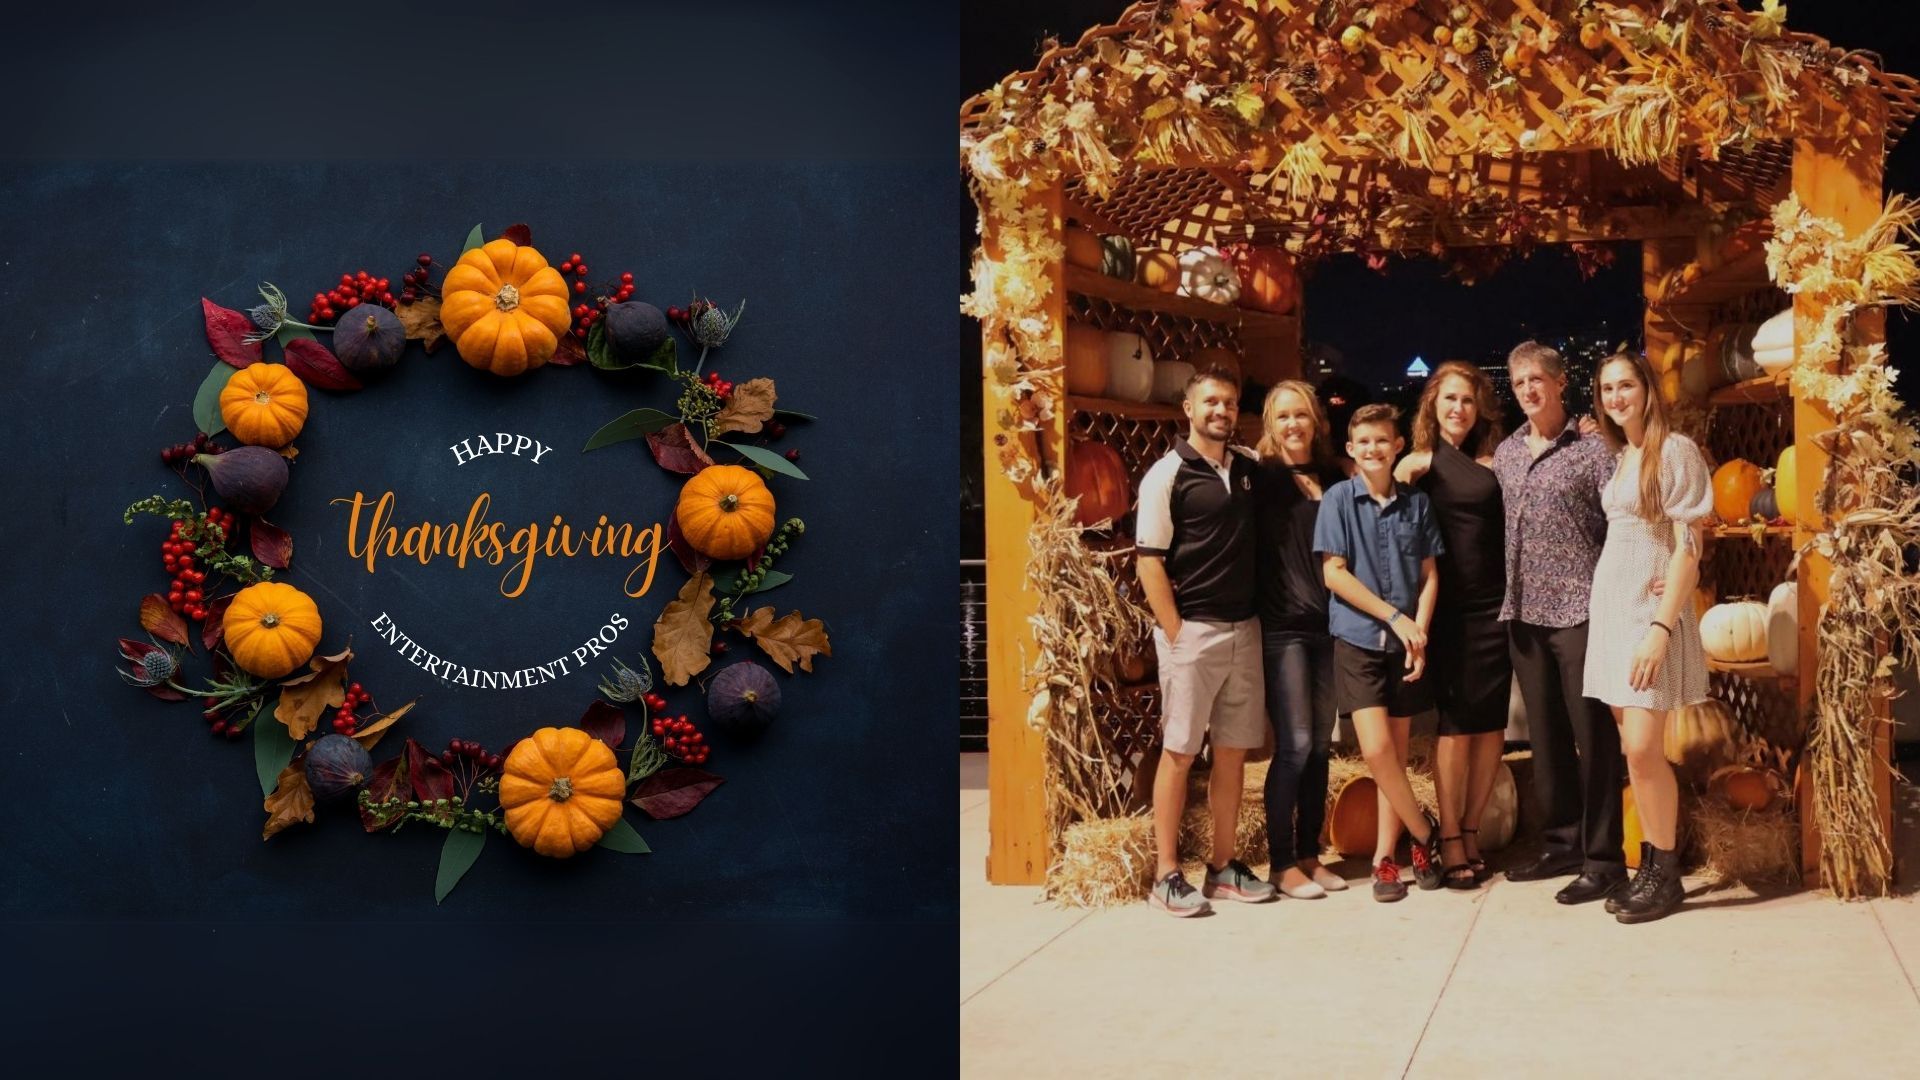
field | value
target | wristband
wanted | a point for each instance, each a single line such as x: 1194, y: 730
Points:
x: 1663, y: 626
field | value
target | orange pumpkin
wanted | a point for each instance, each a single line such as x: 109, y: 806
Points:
x: 1086, y: 356
x: 271, y: 628
x: 1630, y: 827
x: 1156, y: 269
x: 1268, y: 281
x: 264, y: 405
x: 504, y: 308
x: 1098, y: 478
x: 561, y: 789
x: 1084, y: 248
x: 1354, y: 818
x: 725, y: 511
x: 1746, y: 788
x: 1734, y: 485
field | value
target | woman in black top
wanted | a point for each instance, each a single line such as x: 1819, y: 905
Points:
x: 1455, y: 431
x: 1296, y: 466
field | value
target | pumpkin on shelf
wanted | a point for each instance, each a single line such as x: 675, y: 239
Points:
x: 1083, y: 248
x: 1170, y: 380
x: 1773, y: 343
x: 264, y: 405
x: 1786, y: 478
x: 1086, y: 360
x: 1097, y: 476
x: 1268, y: 280
x: 1783, y: 628
x: 1764, y: 507
x: 561, y: 789
x: 1216, y: 357
x: 271, y: 628
x: 1156, y: 268
x: 504, y: 308
x: 1129, y: 367
x: 1701, y: 738
x: 1205, y: 274
x: 1116, y: 257
x: 1734, y: 485
x: 1735, y: 632
x: 725, y: 511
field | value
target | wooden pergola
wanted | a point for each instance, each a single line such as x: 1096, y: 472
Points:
x: 1187, y: 124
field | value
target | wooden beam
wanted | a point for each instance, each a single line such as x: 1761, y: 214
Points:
x: 1017, y: 851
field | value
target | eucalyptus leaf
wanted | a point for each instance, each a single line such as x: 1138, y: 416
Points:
x: 272, y: 749
x: 599, y: 352
x: 290, y: 332
x: 474, y: 240
x: 666, y: 357
x: 634, y: 425
x: 764, y: 458
x: 624, y: 839
x: 728, y: 581
x: 792, y: 415
x: 457, y: 856
x: 206, y: 402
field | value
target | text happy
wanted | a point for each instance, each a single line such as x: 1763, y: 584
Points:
x: 503, y: 443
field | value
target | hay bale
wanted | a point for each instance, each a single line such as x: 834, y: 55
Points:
x: 1196, y: 825
x: 1107, y: 862
x: 1747, y: 846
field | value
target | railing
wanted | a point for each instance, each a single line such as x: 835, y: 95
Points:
x: 973, y: 654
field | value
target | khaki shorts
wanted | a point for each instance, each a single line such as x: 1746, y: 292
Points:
x: 1211, y: 680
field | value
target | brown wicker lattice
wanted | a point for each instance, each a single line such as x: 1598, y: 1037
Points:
x: 1171, y: 337
x: 1132, y: 719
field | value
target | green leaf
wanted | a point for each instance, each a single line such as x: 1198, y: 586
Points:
x: 474, y: 240
x: 599, y: 353
x: 762, y: 457
x: 457, y: 856
x: 666, y: 357
x: 634, y: 425
x: 794, y: 415
x: 623, y: 839
x: 289, y: 332
x: 272, y: 749
x: 727, y: 581
x: 206, y: 403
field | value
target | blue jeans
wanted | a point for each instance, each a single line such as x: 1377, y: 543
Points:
x: 1299, y: 668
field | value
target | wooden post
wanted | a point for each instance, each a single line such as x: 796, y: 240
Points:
x: 1846, y: 188
x: 1017, y: 851
x: 1657, y: 257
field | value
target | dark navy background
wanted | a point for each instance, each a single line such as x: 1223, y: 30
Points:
x: 807, y: 911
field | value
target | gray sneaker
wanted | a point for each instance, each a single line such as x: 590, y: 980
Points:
x: 1235, y: 882
x: 1174, y: 896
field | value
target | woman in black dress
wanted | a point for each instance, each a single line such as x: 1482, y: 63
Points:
x: 1455, y: 431
x: 1296, y: 466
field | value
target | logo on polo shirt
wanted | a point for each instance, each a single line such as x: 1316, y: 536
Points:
x: 1246, y: 483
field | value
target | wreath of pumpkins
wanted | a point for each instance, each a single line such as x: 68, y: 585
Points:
x: 562, y: 789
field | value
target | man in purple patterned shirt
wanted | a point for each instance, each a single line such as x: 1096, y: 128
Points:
x: 1550, y: 478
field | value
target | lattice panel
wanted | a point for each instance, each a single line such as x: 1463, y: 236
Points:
x: 1738, y: 567
x: 1762, y: 709
x: 1755, y: 432
x: 1149, y: 201
x: 1140, y: 442
x: 1171, y: 337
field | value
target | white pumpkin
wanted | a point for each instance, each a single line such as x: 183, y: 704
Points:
x: 1775, y: 334
x: 1207, y: 275
x: 1735, y: 632
x: 1129, y: 367
x: 1783, y: 628
x: 1170, y: 380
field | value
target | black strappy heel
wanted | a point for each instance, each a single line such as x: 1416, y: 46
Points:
x: 1450, y: 873
x: 1476, y: 864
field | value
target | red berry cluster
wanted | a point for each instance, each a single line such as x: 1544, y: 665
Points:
x: 356, y: 288
x: 585, y: 315
x: 691, y: 311
x: 181, y: 453
x: 344, y: 721
x: 459, y: 749
x: 184, y: 596
x: 416, y: 280
x: 217, y: 725
x: 679, y: 737
x: 720, y: 387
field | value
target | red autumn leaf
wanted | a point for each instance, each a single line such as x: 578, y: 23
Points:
x: 672, y: 792
x: 570, y: 352
x: 161, y: 621
x: 227, y: 330
x: 137, y: 651
x: 214, y: 629
x: 518, y: 233
x: 691, y: 560
x: 388, y: 780
x: 166, y: 693
x: 272, y: 544
x: 605, y: 721
x: 429, y: 778
x: 318, y: 367
x: 675, y: 450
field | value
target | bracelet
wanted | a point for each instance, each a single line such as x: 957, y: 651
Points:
x: 1663, y: 626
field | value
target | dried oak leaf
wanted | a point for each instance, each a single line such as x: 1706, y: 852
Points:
x: 683, y: 636
x: 421, y: 321
x: 672, y: 792
x: 160, y: 620
x: 304, y: 697
x: 749, y: 406
x: 789, y: 639
x: 369, y: 737
x: 676, y: 451
x: 291, y: 801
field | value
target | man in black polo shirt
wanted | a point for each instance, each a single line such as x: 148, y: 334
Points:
x: 1195, y: 538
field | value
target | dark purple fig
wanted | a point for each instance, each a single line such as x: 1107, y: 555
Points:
x: 635, y: 330
x: 248, y: 478
x: 743, y: 699
x: 368, y: 338
x: 336, y: 765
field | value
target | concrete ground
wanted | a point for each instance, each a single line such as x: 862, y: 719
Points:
x: 1497, y: 982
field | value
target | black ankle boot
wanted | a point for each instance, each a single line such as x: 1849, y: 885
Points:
x: 1660, y: 895
x: 1632, y: 887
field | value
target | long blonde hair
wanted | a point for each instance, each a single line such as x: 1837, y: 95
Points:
x: 1652, y: 442
x: 1322, y: 442
x: 1485, y: 434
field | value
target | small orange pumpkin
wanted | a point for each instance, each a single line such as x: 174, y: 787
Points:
x: 561, y: 789
x: 271, y: 628
x: 1157, y: 269
x: 1734, y: 485
x: 264, y: 405
x: 504, y: 308
x: 1084, y: 248
x: 1098, y: 478
x: 725, y: 511
x: 1267, y: 279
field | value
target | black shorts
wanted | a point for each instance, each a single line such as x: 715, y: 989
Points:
x: 1364, y: 679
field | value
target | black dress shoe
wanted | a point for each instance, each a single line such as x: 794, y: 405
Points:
x: 1548, y: 865
x: 1592, y: 885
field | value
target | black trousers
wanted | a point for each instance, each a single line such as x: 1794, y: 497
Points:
x: 1577, y: 767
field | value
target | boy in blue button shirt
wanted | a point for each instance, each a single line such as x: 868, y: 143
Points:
x: 1377, y: 539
